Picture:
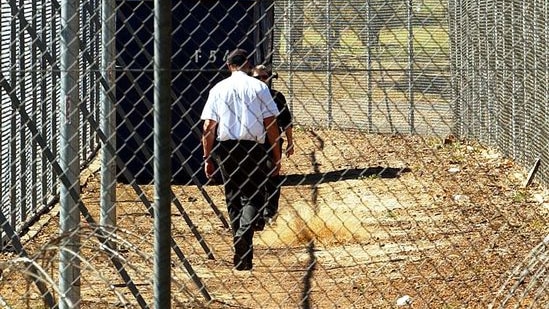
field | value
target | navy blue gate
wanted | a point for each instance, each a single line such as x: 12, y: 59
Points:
x: 204, y: 32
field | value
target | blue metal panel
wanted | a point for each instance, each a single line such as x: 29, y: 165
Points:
x: 203, y: 34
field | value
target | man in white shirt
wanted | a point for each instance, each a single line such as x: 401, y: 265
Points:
x: 241, y: 115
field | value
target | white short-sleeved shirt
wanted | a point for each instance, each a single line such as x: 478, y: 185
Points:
x: 239, y: 104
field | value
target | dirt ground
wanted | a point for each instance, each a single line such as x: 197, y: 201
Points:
x: 366, y: 221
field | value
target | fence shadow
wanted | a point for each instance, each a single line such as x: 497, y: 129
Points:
x: 344, y: 174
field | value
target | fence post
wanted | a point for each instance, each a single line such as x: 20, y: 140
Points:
x: 369, y: 91
x: 329, y: 69
x: 289, y: 28
x: 69, y: 216
x: 108, y: 115
x: 162, y: 152
x: 411, y: 66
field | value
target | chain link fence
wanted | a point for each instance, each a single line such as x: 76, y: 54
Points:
x: 30, y: 100
x: 381, y: 66
x: 500, y: 63
x: 414, y: 125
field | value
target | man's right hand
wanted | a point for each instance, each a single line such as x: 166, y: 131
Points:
x: 276, y: 169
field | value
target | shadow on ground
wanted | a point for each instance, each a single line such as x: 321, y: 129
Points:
x: 344, y: 174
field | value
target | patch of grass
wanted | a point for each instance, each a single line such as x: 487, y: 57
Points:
x: 428, y: 41
x: 520, y: 197
x: 429, y: 8
x: 351, y: 44
x: 313, y: 38
x: 432, y: 38
x: 538, y: 225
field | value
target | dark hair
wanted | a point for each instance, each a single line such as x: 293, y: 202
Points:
x: 237, y: 56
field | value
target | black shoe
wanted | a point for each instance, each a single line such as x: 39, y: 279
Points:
x: 270, y: 221
x: 259, y: 224
x: 243, y: 265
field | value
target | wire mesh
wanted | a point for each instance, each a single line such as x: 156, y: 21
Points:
x: 414, y: 124
x: 30, y: 104
x: 500, y: 62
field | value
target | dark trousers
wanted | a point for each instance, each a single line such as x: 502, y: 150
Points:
x: 243, y: 169
x: 272, y: 187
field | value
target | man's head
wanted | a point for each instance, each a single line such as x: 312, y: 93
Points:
x: 238, y: 60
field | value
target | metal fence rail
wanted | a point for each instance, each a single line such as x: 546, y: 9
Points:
x: 408, y: 116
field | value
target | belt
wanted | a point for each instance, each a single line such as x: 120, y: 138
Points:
x: 241, y: 142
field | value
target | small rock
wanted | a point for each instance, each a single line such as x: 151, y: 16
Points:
x: 519, y: 176
x: 453, y: 170
x: 461, y: 198
x: 491, y: 155
x: 539, y: 198
x: 404, y: 300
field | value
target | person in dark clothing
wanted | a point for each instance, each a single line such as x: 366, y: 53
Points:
x: 241, y: 115
x: 285, y: 125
